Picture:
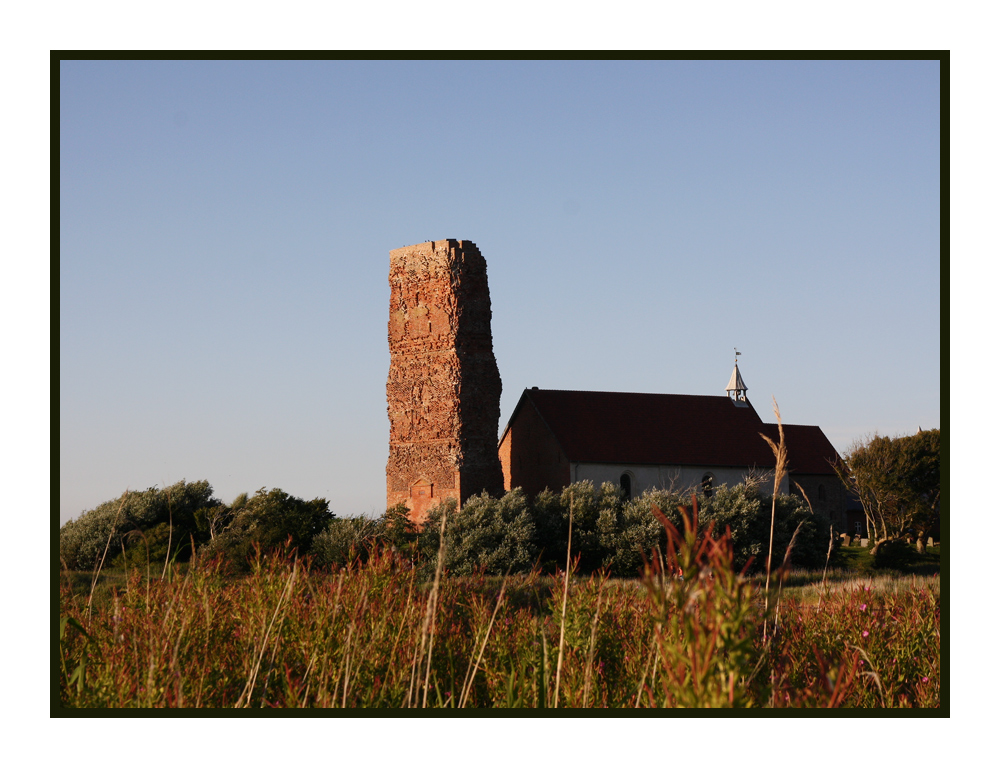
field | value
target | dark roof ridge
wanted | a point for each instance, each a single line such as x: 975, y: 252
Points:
x: 620, y: 392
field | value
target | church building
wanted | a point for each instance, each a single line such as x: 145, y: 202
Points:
x: 645, y: 441
x: 443, y: 407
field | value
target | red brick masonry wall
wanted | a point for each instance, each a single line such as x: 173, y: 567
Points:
x: 443, y: 389
x: 530, y: 456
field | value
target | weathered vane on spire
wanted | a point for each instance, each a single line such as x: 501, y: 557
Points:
x: 737, y: 388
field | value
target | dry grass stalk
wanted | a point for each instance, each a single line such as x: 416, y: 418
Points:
x: 305, y: 677
x: 806, y: 497
x: 652, y: 662
x: 97, y: 573
x: 131, y: 535
x: 780, y: 468
x: 406, y: 616
x: 786, y: 565
x: 428, y: 626
x: 590, y: 650
x: 347, y: 663
x: 543, y: 688
x: 871, y: 672
x: 252, y: 679
x: 562, y: 620
x: 470, y: 674
x: 170, y: 536
x: 435, y: 590
x: 324, y: 697
x: 829, y: 551
x: 347, y: 648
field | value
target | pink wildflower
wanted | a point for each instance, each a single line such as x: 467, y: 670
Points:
x: 924, y: 679
x: 864, y: 606
x: 865, y: 633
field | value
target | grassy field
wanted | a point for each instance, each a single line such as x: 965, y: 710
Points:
x: 690, y: 634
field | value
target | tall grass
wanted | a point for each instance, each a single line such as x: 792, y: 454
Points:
x: 562, y: 619
x: 373, y: 635
x: 100, y: 564
x: 703, y: 609
x: 780, y: 467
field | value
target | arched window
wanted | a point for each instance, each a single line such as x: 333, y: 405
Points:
x: 625, y: 481
x: 706, y: 484
x: 821, y: 493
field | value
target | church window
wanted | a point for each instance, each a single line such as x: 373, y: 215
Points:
x: 707, y: 482
x: 625, y: 481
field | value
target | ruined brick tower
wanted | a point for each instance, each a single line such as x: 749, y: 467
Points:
x: 444, y: 384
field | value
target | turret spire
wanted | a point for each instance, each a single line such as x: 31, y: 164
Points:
x: 737, y: 388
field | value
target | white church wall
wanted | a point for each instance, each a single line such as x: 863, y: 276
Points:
x: 678, y: 478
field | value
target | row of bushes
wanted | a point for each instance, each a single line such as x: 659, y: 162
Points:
x: 161, y: 524
x: 609, y: 533
x: 492, y: 535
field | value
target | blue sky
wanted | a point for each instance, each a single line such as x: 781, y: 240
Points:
x: 225, y: 231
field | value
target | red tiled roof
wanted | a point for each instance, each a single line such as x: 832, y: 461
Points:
x: 635, y: 428
x: 809, y: 452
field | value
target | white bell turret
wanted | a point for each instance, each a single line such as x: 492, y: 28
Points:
x: 737, y: 388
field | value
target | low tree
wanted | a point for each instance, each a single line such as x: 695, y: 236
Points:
x: 629, y: 532
x: 596, y: 514
x: 897, y: 480
x: 166, y: 518
x: 351, y: 539
x: 922, y: 459
x: 345, y: 540
x: 746, y: 510
x: 492, y: 535
x: 397, y: 531
x: 270, y: 520
x: 597, y: 518
x: 550, y: 529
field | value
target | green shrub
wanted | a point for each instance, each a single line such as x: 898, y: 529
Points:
x: 489, y: 535
x: 550, y: 536
x: 813, y: 540
x: 345, y: 540
x: 398, y: 532
x: 893, y: 553
x: 270, y: 520
x: 82, y: 542
x: 598, y: 516
x: 595, y: 511
x: 746, y: 510
x: 630, y: 532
